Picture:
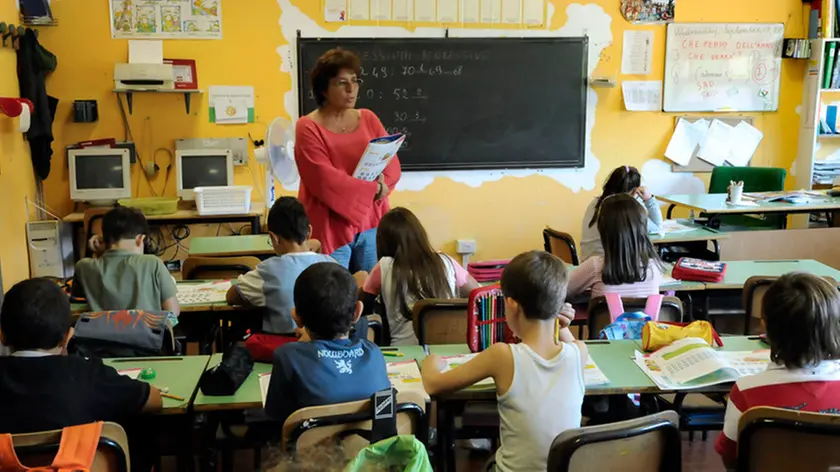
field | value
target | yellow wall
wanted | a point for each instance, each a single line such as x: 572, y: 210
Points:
x: 16, y: 177
x: 248, y: 55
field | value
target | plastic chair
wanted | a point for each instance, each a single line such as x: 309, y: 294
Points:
x: 643, y: 444
x: 756, y: 179
x: 782, y: 439
x: 438, y: 321
x: 217, y: 268
x: 561, y: 245
x: 599, y: 312
x: 40, y: 448
x: 317, y: 425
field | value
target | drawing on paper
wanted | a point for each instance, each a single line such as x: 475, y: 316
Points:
x: 648, y: 11
x: 170, y: 17
x: 205, y: 7
x: 146, y: 20
x: 123, y: 19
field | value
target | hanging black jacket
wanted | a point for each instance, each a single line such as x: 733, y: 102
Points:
x: 34, y: 62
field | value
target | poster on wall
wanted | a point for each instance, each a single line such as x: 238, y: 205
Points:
x: 166, y: 19
x: 648, y: 11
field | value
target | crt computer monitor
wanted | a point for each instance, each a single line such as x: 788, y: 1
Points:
x: 99, y: 175
x: 203, y: 168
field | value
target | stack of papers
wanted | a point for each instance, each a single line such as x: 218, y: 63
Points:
x: 825, y: 172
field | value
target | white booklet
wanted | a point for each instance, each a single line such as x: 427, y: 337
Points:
x: 692, y: 363
x: 377, y: 156
x: 592, y: 374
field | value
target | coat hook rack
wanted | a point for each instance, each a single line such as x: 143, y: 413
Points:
x: 19, y: 34
x: 6, y: 31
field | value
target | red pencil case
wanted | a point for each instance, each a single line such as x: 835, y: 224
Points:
x: 698, y: 270
x: 486, y: 323
x: 487, y: 271
x: 262, y: 346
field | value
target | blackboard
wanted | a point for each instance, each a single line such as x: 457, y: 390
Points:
x: 470, y: 103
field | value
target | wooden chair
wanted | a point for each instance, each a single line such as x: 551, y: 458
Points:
x: 374, y: 333
x: 39, y: 449
x: 782, y: 439
x: 319, y: 425
x: 649, y: 443
x: 212, y: 268
x: 438, y: 321
x: 599, y: 312
x: 561, y: 245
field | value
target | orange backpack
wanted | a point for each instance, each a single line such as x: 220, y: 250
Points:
x: 75, y: 453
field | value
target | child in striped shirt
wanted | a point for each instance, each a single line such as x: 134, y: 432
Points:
x: 802, y: 315
x: 630, y: 265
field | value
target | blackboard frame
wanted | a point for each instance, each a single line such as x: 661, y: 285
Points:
x: 303, y: 89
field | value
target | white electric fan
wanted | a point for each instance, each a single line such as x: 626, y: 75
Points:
x: 279, y: 155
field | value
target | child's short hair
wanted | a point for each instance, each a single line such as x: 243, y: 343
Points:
x: 123, y: 223
x: 802, y: 315
x: 537, y: 281
x: 35, y: 315
x: 287, y: 219
x: 325, y: 299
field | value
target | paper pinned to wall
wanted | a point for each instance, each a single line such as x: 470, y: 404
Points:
x: 335, y: 10
x: 381, y: 10
x: 491, y: 11
x: 447, y: 11
x: 744, y: 141
x: 229, y: 103
x: 359, y: 10
x: 533, y: 12
x: 172, y: 19
x: 637, y: 53
x: 716, y: 147
x: 471, y: 11
x: 642, y: 95
x: 511, y: 12
x: 424, y: 10
x: 682, y: 144
x: 145, y: 51
x: 403, y: 10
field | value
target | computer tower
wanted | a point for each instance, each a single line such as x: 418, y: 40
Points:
x: 50, y: 249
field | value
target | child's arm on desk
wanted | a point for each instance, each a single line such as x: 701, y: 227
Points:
x: 154, y: 403
x: 496, y: 361
x: 248, y: 291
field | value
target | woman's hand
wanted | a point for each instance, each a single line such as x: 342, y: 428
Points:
x: 383, y: 188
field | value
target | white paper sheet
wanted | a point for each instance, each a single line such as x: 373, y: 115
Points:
x: 512, y: 12
x: 405, y: 376
x: 470, y: 11
x: 143, y: 51
x: 232, y: 96
x: 231, y: 111
x: 335, y: 10
x: 265, y: 380
x: 491, y: 11
x: 131, y: 373
x: 533, y: 12
x: 447, y: 11
x: 637, y: 53
x: 592, y: 374
x: 381, y: 10
x: 424, y: 10
x: 682, y: 144
x: 359, y: 10
x: 642, y: 95
x: 404, y: 10
x: 715, y: 149
x: 743, y: 143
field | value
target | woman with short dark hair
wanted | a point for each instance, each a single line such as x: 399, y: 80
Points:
x: 329, y: 142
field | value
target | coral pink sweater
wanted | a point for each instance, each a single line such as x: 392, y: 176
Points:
x: 338, y: 205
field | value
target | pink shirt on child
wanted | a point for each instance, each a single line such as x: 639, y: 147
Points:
x: 588, y: 276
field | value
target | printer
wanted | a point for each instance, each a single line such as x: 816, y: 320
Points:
x: 143, y: 77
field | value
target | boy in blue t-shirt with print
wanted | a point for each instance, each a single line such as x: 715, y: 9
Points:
x: 331, y: 368
x: 270, y: 285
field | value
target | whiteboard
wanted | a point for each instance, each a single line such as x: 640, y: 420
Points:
x: 723, y: 67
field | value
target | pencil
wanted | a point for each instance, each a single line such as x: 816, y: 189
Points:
x: 393, y: 354
x: 174, y: 397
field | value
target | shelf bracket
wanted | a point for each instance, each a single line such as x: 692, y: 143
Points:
x: 187, y: 98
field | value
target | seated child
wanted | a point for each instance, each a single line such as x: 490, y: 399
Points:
x: 41, y: 388
x: 802, y: 315
x: 409, y: 269
x: 630, y: 265
x: 272, y: 283
x: 331, y: 367
x: 120, y: 276
x: 627, y: 180
x: 548, y: 393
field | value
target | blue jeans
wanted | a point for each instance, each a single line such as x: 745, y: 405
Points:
x: 360, y: 254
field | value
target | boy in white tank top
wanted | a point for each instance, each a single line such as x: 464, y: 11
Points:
x: 539, y: 382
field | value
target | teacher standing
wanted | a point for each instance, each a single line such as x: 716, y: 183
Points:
x: 329, y: 142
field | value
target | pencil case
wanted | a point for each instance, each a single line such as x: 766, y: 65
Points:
x: 698, y: 270
x: 487, y: 271
x: 657, y: 334
x: 486, y: 323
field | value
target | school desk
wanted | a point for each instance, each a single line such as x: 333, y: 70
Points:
x: 699, y: 233
x: 178, y: 374
x: 219, y: 246
x: 737, y: 272
x: 186, y: 215
x: 714, y: 204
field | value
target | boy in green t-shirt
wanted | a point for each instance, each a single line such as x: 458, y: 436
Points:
x: 120, y: 276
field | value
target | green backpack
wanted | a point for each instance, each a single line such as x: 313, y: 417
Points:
x: 399, y: 453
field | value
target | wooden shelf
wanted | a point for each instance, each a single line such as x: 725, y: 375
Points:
x: 129, y: 95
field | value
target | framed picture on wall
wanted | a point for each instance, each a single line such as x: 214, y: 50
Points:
x: 186, y: 77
